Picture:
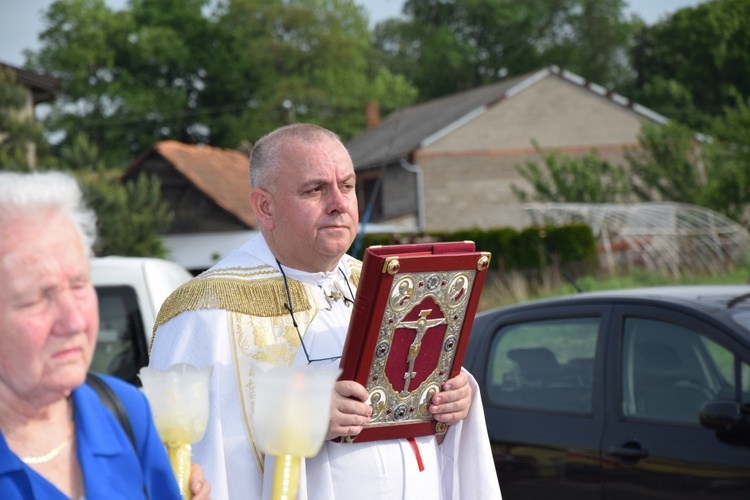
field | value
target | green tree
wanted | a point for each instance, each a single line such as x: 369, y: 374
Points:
x: 304, y: 60
x: 728, y: 182
x: 448, y: 46
x: 130, y: 216
x: 568, y: 179
x: 688, y: 65
x: 22, y: 143
x: 204, y: 72
x: 127, y: 78
x: 595, y: 42
x: 676, y: 164
x: 668, y: 164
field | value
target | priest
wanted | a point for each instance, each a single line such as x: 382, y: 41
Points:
x: 284, y: 298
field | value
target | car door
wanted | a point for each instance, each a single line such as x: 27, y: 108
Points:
x: 543, y: 398
x: 663, y: 365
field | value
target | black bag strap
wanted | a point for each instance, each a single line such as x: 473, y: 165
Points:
x: 113, y: 403
x: 109, y: 399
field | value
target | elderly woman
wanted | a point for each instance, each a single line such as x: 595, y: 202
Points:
x: 57, y: 439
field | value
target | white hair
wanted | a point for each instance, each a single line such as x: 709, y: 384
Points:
x: 36, y: 194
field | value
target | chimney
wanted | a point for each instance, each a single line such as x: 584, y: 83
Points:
x: 373, y: 114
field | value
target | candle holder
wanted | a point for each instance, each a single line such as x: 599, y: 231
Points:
x: 290, y: 419
x: 179, y: 401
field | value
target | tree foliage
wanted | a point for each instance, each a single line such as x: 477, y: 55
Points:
x: 727, y: 187
x: 688, y: 65
x: 568, y: 179
x: 448, y: 46
x: 22, y: 143
x: 668, y: 164
x: 306, y: 60
x: 676, y: 164
x: 79, y: 49
x: 201, y: 72
x: 130, y: 217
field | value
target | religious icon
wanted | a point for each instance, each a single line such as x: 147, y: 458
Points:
x: 457, y: 291
x: 402, y: 294
x: 377, y: 401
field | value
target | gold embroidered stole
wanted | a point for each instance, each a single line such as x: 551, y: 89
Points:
x: 261, y: 328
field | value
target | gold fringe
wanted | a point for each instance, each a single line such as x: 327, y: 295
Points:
x: 225, y: 289
x: 265, y: 297
x: 356, y: 268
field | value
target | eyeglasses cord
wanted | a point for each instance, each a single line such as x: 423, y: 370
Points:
x: 288, y: 306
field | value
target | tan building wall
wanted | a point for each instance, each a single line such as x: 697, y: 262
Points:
x: 468, y: 173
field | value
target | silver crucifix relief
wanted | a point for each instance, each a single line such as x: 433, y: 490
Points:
x: 421, y: 326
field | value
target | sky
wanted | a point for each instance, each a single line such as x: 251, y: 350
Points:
x: 20, y: 20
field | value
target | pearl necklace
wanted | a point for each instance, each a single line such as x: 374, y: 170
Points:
x: 51, y: 454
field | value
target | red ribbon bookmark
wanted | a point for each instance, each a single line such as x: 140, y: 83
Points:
x: 414, y: 447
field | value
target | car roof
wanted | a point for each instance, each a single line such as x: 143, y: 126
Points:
x: 699, y: 294
x: 719, y: 300
x: 718, y: 295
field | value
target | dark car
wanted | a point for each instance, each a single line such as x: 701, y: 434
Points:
x: 628, y: 394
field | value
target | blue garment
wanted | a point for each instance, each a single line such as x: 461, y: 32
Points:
x: 111, y: 469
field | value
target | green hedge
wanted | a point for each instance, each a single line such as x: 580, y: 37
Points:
x: 530, y: 248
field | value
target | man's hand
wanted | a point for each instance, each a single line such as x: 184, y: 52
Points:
x: 349, y: 412
x: 452, y: 404
x: 199, y: 487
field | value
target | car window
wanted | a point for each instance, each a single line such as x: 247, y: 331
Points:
x: 544, y: 365
x: 669, y: 371
x: 120, y: 346
x: 742, y: 318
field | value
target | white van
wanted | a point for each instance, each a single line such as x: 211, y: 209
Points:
x: 131, y: 290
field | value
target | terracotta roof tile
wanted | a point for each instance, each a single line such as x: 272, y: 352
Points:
x: 221, y: 174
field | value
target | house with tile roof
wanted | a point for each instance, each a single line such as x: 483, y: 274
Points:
x: 449, y: 163
x: 208, y: 190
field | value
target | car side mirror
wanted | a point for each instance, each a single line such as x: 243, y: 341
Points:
x: 721, y: 415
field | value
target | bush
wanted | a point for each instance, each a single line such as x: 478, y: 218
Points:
x: 532, y: 248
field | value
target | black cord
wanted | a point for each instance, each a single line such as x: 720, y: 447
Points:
x: 346, y: 299
x: 288, y: 306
